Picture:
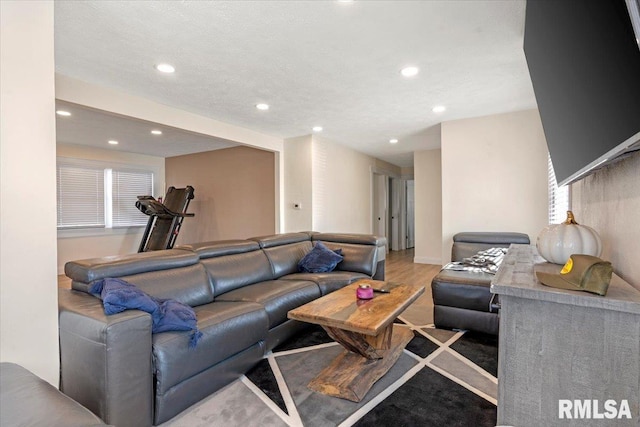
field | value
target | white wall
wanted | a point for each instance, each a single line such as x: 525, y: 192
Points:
x: 82, y: 244
x: 28, y: 285
x: 298, y: 185
x: 333, y: 183
x: 341, y: 188
x: 494, y: 175
x: 428, y: 206
x: 609, y: 202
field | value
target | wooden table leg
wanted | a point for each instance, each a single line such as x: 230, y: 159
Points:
x: 351, y: 375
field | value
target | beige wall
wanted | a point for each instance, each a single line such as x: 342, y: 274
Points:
x: 386, y: 168
x: 82, y: 244
x: 28, y: 285
x: 494, y: 175
x: 298, y: 184
x: 407, y: 172
x: 609, y: 201
x: 234, y: 193
x: 333, y: 183
x: 428, y: 206
x: 341, y: 188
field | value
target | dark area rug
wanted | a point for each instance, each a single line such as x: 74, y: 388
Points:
x: 481, y: 349
x: 421, y: 346
x: 262, y: 376
x: 312, y: 335
x: 429, y: 399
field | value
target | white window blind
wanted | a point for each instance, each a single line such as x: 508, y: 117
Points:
x: 558, y: 198
x: 125, y: 189
x: 93, y: 194
x: 80, y: 196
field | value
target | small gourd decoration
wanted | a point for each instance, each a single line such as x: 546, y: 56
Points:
x: 557, y: 242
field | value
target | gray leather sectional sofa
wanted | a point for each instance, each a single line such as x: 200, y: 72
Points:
x: 462, y: 299
x: 241, y: 291
x: 27, y: 400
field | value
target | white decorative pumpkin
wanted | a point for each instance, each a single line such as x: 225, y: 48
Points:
x: 559, y: 241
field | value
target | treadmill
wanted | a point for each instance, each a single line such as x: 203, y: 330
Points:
x: 165, y: 218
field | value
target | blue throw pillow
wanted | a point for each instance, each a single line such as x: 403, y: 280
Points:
x: 320, y: 260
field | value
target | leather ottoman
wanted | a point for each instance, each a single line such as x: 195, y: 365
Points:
x: 462, y: 299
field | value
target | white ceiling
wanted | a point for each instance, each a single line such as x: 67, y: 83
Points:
x: 87, y: 126
x: 326, y: 63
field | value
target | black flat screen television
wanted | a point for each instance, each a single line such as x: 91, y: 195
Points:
x: 584, y: 61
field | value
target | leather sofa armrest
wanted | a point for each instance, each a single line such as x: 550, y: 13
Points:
x: 105, y: 360
x: 26, y: 399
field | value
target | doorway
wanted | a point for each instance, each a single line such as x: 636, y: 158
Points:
x: 393, y: 210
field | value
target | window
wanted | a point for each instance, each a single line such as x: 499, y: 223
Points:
x: 125, y: 189
x: 94, y: 195
x: 80, y: 196
x: 558, y: 197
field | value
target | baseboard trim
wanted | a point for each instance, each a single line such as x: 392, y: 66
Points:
x: 427, y: 260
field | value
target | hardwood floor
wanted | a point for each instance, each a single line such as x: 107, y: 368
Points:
x: 64, y: 282
x: 401, y: 268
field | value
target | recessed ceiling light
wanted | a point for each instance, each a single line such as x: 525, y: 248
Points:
x: 262, y: 106
x: 409, y: 71
x: 393, y: 141
x: 165, y: 68
x: 113, y: 142
x: 156, y: 132
x: 439, y: 108
x: 317, y: 128
x: 63, y: 113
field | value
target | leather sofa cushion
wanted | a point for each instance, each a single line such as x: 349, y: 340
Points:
x: 357, y: 258
x: 284, y: 259
x: 328, y: 282
x: 189, y: 285
x: 490, y: 237
x: 277, y: 297
x: 446, y: 317
x: 227, y: 329
x: 465, y: 277
x: 467, y: 244
x: 88, y: 270
x: 462, y: 289
x: 235, y: 271
x: 221, y: 247
x: 281, y: 239
x: 360, y: 239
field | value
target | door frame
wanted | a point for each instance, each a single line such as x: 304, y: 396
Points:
x: 402, y: 215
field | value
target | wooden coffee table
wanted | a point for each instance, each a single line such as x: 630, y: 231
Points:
x: 365, y: 329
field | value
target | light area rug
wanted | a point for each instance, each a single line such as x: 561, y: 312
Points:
x: 443, y: 378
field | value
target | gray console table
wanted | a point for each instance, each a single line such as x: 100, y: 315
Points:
x: 556, y: 344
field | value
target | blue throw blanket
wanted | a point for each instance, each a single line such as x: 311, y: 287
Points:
x: 118, y: 295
